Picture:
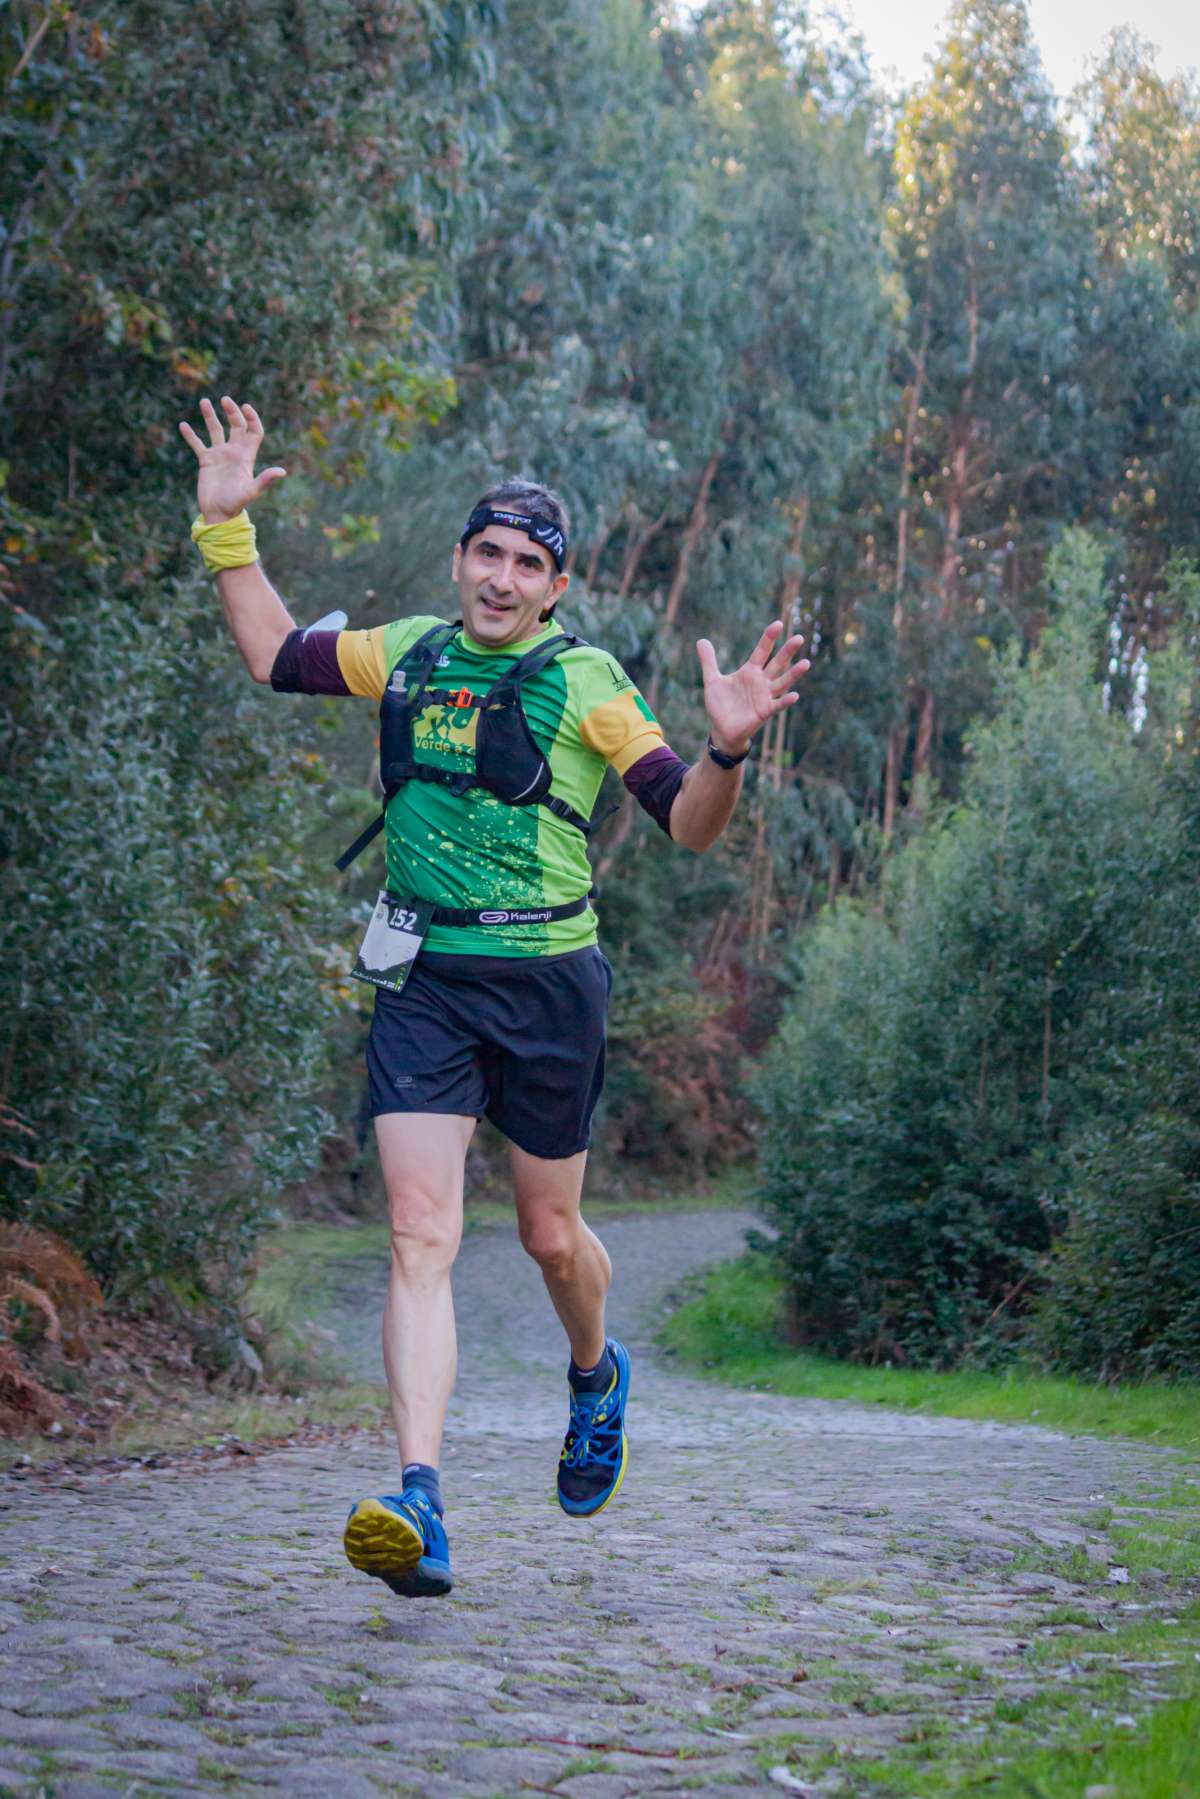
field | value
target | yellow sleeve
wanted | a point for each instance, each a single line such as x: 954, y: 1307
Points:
x: 622, y: 729
x: 362, y: 659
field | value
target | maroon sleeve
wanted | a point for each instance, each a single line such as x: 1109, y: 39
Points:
x: 654, y: 780
x: 308, y: 663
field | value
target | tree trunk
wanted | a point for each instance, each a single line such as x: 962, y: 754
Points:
x: 616, y: 843
x: 1046, y: 1034
x: 897, y: 738
x: 773, y: 753
x: 898, y: 735
x: 921, y: 754
x: 692, y: 532
x: 639, y: 543
x: 598, y: 548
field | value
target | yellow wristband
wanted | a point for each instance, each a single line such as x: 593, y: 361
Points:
x: 229, y: 544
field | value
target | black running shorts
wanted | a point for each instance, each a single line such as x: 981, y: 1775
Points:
x: 516, y: 1039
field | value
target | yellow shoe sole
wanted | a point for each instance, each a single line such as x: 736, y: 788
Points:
x: 616, y: 1488
x: 379, y: 1541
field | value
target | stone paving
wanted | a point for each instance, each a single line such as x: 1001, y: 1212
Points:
x: 779, y: 1578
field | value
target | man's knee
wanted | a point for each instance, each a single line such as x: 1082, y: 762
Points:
x: 425, y: 1231
x: 552, y: 1239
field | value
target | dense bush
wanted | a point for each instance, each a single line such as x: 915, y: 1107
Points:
x: 964, y: 1067
x: 164, y: 996
x: 1122, y: 1293
x: 1122, y: 1290
x: 193, y: 199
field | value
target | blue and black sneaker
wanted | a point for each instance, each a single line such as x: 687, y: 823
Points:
x: 592, y: 1465
x: 400, y: 1538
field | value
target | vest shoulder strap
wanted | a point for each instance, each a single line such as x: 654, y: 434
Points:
x: 531, y: 663
x: 419, y: 658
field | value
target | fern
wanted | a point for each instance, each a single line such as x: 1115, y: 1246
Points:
x: 25, y: 1404
x: 44, y: 1274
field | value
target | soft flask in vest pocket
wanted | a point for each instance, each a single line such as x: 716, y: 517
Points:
x: 508, y: 762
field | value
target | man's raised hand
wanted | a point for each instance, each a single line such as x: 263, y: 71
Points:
x: 227, y: 481
x: 739, y: 704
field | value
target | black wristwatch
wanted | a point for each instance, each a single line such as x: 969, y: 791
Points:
x: 724, y: 761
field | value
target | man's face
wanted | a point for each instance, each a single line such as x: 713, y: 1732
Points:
x: 505, y: 582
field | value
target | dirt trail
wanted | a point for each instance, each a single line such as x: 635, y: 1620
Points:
x: 778, y: 1577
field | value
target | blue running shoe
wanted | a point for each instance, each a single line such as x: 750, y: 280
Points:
x: 592, y: 1465
x: 400, y: 1538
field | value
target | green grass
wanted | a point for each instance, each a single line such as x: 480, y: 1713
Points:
x: 293, y: 1264
x: 732, y: 1330
x: 1160, y: 1759
x: 625, y: 1199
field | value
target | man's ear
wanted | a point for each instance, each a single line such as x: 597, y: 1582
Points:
x: 558, y: 587
x: 456, y: 562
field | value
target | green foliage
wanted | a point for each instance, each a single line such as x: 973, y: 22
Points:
x: 198, y: 197
x: 954, y: 1059
x: 1123, y: 1290
x: 165, y: 993
x: 1144, y: 163
x: 194, y: 198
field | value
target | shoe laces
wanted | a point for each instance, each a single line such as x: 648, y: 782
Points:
x: 592, y: 1434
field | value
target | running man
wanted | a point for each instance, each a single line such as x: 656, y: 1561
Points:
x: 491, y: 989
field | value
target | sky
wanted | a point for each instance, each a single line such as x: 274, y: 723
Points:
x: 1069, y: 33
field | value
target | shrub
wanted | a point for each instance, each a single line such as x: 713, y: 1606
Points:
x: 160, y: 953
x: 938, y: 1095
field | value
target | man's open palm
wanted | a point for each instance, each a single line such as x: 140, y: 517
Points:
x: 739, y: 704
x: 227, y: 480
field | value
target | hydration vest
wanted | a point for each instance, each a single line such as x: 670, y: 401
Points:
x: 508, y: 762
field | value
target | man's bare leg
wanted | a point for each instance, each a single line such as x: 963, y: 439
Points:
x: 422, y: 1155
x: 577, y: 1273
x: 573, y: 1261
x: 402, y: 1539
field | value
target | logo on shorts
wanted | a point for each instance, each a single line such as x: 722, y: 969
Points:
x: 403, y: 1080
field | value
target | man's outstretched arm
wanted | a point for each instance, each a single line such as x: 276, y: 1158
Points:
x: 227, y: 485
x: 738, y: 706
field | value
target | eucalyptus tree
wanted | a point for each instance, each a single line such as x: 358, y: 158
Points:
x: 991, y: 239
x: 1143, y: 161
x: 790, y: 175
x: 1141, y: 170
x: 588, y: 221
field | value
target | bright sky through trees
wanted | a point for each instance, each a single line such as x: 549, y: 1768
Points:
x: 1069, y: 33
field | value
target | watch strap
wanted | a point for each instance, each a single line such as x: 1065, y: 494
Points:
x: 724, y: 761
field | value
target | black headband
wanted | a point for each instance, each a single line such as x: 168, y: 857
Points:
x: 537, y: 528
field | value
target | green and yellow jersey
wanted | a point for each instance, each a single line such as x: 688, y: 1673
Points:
x: 472, y: 850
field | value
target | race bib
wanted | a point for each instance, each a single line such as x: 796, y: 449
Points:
x: 392, y: 942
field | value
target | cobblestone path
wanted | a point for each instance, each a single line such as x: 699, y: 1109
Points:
x: 778, y: 1577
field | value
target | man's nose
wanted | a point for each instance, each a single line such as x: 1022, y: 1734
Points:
x: 501, y: 578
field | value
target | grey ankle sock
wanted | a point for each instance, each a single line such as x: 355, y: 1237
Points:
x: 591, y: 1380
x: 420, y: 1474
